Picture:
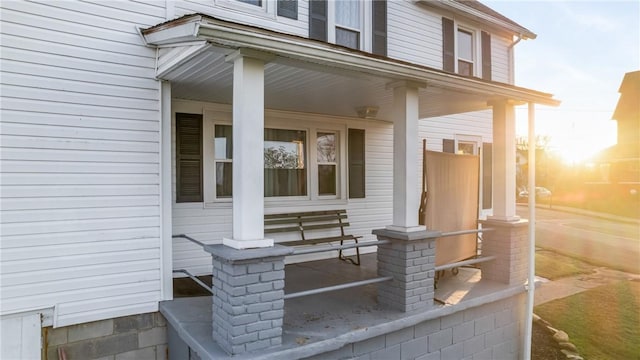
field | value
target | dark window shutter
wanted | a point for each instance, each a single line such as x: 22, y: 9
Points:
x: 188, y: 157
x: 356, y: 163
x: 486, y: 56
x: 318, y: 20
x: 448, y: 41
x: 449, y: 146
x: 487, y: 175
x: 379, y: 27
x: 288, y: 9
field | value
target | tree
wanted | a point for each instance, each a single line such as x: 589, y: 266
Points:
x: 546, y: 163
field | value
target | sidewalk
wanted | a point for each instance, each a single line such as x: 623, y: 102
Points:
x: 548, y: 290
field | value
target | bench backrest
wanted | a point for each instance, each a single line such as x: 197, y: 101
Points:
x: 305, y: 221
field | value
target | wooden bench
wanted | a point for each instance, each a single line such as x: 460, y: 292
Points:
x: 306, y: 223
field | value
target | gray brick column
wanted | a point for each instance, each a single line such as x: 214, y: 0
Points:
x: 248, y: 299
x: 508, y: 242
x: 410, y: 259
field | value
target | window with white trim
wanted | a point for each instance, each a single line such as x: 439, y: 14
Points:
x: 356, y: 24
x: 465, y: 50
x: 327, y: 158
x: 348, y: 20
x: 303, y: 160
x: 223, y: 145
x: 465, y: 47
x: 251, y: 2
x: 285, y: 162
x: 263, y: 8
x: 467, y: 148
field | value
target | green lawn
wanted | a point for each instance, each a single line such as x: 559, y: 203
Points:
x: 553, y: 266
x: 604, y: 322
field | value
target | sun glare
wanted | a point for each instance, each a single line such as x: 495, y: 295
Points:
x: 573, y: 136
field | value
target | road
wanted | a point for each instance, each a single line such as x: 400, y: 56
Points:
x: 603, y: 242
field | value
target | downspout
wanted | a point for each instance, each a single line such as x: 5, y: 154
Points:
x: 511, y: 59
x: 528, y: 330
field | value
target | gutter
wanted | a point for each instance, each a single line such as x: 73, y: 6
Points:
x: 512, y: 65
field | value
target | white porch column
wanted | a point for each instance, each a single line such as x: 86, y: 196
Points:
x: 405, y: 157
x: 504, y: 161
x: 248, y: 158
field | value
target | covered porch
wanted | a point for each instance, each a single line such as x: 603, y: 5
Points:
x: 255, y: 73
x: 327, y: 325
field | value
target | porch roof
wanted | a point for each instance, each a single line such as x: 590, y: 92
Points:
x: 305, y: 75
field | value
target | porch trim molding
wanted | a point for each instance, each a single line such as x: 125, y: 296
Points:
x: 230, y: 35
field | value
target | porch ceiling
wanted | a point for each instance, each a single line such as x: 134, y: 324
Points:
x: 310, y: 76
x: 299, y: 86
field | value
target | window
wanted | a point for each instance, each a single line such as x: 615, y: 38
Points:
x: 327, y: 163
x: 288, y: 9
x: 285, y: 162
x: 343, y: 23
x: 305, y: 163
x: 464, y: 52
x: 262, y: 8
x: 348, y: 23
x: 223, y: 147
x: 311, y: 161
x: 252, y: 2
x: 467, y: 148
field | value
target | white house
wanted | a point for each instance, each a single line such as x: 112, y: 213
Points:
x: 126, y: 122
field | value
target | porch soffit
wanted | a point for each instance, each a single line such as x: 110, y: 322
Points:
x: 307, y: 75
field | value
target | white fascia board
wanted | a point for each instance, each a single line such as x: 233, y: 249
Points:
x: 329, y: 55
x: 179, y: 33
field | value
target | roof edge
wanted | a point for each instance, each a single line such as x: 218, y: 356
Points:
x: 235, y: 36
x: 484, y: 13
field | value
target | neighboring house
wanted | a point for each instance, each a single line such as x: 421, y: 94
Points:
x: 123, y: 122
x: 615, y: 171
x: 623, y: 159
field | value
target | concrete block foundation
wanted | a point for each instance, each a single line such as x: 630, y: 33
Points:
x: 142, y: 336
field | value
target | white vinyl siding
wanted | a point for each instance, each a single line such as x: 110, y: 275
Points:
x: 414, y: 34
x: 500, y: 58
x: 243, y: 14
x: 211, y: 222
x: 80, y: 160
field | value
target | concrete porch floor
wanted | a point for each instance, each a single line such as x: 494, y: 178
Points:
x: 318, y: 323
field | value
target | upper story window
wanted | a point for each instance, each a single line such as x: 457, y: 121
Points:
x: 355, y: 24
x: 348, y: 20
x: 465, y: 52
x: 252, y: 2
x: 264, y: 8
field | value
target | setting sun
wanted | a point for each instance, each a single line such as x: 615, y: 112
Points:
x: 574, y: 135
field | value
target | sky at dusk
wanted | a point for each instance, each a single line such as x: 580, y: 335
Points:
x: 581, y: 54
